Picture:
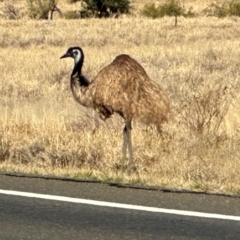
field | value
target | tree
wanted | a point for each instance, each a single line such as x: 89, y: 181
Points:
x: 172, y: 8
x: 169, y: 8
x: 103, y: 8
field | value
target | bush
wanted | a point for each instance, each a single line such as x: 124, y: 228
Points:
x: 204, y: 105
x: 42, y: 9
x: 231, y: 8
x: 10, y: 11
x: 72, y: 15
x: 216, y: 10
x: 234, y: 8
x: 170, y: 8
x: 150, y: 10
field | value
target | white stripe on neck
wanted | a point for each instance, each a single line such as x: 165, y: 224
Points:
x: 77, y: 55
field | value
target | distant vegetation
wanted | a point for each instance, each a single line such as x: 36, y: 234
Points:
x: 102, y: 8
x: 176, y: 9
x: 10, y: 11
x: 171, y: 8
x: 44, y: 9
x: 225, y: 9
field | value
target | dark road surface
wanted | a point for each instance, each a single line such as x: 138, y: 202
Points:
x: 31, y: 218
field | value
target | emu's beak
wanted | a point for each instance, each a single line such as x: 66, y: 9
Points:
x: 65, y: 55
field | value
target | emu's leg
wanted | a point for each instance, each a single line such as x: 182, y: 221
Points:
x: 124, y: 148
x: 127, y: 144
x: 129, y: 141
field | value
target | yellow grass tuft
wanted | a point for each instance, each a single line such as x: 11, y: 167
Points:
x: 42, y: 129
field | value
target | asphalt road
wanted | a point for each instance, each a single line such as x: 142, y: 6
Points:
x: 32, y: 218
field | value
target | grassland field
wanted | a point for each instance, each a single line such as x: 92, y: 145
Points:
x: 44, y: 131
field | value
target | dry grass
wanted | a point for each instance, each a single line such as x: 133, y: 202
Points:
x: 42, y: 129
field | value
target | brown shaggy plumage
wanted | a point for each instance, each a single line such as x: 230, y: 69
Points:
x: 122, y: 87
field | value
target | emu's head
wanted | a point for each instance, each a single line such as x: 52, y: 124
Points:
x: 74, y: 52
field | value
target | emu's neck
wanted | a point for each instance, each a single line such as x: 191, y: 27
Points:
x: 80, y: 85
x: 77, y: 70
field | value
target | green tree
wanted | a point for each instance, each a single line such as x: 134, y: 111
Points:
x: 103, y: 8
x: 171, y: 8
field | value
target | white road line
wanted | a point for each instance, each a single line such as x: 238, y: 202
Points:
x: 120, y: 205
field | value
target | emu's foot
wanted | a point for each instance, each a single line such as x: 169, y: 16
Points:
x: 119, y: 166
x: 129, y: 169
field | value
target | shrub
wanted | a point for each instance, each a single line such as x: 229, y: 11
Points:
x: 72, y: 15
x: 216, y: 10
x: 42, y: 9
x: 150, y: 10
x: 225, y: 9
x: 234, y: 8
x: 204, y: 105
x: 10, y: 11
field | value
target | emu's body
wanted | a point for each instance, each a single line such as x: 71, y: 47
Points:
x: 122, y: 87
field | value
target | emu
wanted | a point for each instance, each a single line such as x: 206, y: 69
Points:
x: 122, y: 87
